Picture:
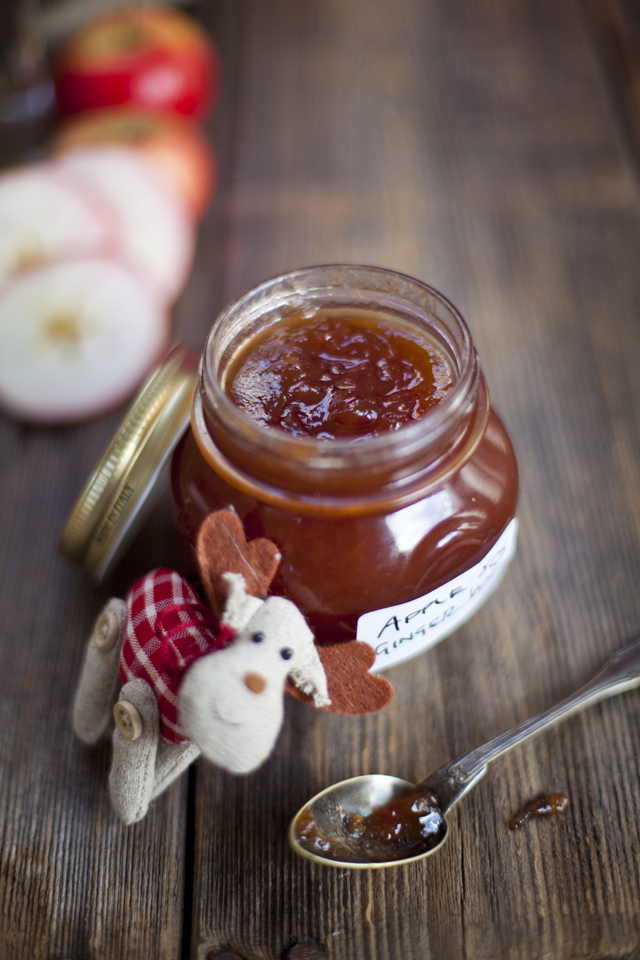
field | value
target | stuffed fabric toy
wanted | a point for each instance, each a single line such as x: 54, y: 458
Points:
x: 188, y: 680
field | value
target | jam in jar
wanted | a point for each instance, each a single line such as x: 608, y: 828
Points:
x: 342, y: 412
x: 338, y: 373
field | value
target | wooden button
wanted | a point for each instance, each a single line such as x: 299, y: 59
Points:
x: 255, y: 682
x: 106, y: 630
x: 128, y: 720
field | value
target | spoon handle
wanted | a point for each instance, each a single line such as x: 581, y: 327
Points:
x: 619, y: 674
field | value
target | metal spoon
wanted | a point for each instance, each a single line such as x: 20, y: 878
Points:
x: 333, y: 827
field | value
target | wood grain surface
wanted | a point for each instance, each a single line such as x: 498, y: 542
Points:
x: 488, y: 149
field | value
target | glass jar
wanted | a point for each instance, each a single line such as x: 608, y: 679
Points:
x: 395, y: 539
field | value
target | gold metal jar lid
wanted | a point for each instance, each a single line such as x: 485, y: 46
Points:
x: 118, y: 496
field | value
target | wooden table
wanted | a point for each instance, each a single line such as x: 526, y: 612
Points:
x: 492, y: 149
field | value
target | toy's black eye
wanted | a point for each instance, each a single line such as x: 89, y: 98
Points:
x: 286, y: 653
x: 257, y: 637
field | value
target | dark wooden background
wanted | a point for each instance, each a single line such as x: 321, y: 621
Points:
x: 492, y: 149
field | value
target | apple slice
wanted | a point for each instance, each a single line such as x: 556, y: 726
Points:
x: 174, y: 145
x: 156, y: 234
x: 76, y: 339
x: 44, y: 216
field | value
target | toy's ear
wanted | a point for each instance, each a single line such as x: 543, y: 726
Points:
x: 309, y: 677
x: 222, y: 547
x: 239, y: 605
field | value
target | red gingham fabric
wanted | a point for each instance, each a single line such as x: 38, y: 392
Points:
x: 167, y: 628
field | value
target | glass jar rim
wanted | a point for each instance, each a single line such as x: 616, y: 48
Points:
x: 391, y: 288
x: 319, y: 505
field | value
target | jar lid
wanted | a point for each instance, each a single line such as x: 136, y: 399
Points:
x: 118, y: 496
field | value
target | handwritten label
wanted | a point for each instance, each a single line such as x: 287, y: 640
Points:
x: 397, y: 633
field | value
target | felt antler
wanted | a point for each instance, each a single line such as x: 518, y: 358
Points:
x: 223, y: 549
x: 351, y: 688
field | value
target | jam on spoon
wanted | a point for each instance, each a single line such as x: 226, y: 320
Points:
x: 404, y: 827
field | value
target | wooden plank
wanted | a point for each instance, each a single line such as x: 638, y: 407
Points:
x: 473, y: 146
x: 73, y: 880
x: 616, y: 27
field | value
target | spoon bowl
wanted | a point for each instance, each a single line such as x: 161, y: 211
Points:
x: 326, y: 830
x: 380, y: 821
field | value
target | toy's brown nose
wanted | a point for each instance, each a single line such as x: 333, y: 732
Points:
x: 255, y: 682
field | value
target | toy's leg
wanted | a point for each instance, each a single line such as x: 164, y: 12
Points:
x: 99, y: 680
x: 132, y: 775
x: 171, y: 761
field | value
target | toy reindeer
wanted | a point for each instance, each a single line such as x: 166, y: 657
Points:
x: 181, y: 680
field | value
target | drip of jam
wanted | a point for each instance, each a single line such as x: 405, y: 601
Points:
x: 402, y: 828
x: 338, y: 374
x: 540, y: 807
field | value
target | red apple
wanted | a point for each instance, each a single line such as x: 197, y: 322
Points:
x: 174, y: 145
x: 157, y: 57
